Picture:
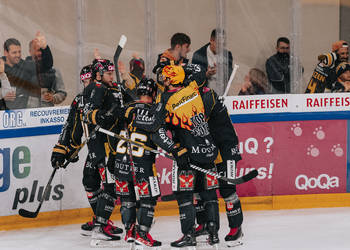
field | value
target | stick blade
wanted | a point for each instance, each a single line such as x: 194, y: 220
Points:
x: 122, y: 41
x: 27, y: 214
x: 245, y: 178
x: 251, y: 175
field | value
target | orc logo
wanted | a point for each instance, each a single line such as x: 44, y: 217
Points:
x: 324, y: 181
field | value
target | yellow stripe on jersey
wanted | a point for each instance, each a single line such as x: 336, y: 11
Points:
x: 93, y: 117
x: 154, y: 169
x: 218, y: 159
x: 128, y: 111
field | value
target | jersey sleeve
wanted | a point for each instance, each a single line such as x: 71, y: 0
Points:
x: 69, y: 127
x: 222, y: 130
x: 162, y: 140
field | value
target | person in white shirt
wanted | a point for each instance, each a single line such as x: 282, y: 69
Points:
x: 207, y: 57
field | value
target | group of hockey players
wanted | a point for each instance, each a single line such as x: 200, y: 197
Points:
x: 202, y: 140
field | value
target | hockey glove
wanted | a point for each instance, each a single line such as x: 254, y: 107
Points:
x: 181, y: 157
x: 102, y: 117
x: 58, y: 155
x: 71, y: 149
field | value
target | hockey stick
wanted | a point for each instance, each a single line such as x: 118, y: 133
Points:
x: 28, y: 214
x: 236, y: 181
x: 132, y: 166
x: 117, y: 53
x: 235, y: 68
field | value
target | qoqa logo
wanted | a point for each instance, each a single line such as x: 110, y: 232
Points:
x: 302, y: 182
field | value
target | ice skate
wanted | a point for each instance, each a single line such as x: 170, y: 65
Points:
x: 143, y: 241
x: 86, y: 229
x: 234, y: 237
x: 103, y: 237
x: 114, y: 228
x: 130, y: 233
x: 213, y: 238
x: 200, y: 230
x: 187, y: 241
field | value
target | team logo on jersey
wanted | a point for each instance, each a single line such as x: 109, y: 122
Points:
x: 90, y: 195
x: 186, y: 180
x: 102, y: 172
x: 121, y: 187
x: 212, y: 182
x: 143, y: 116
x: 229, y: 206
x: 143, y: 189
x: 200, y: 126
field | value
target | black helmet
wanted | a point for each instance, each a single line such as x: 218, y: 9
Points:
x: 85, y: 73
x: 101, y: 66
x: 146, y: 86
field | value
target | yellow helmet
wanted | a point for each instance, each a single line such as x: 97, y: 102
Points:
x: 175, y: 73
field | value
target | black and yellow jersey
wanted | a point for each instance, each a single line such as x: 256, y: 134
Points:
x: 186, y: 118
x: 143, y: 159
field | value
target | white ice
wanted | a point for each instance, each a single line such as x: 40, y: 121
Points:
x: 309, y: 229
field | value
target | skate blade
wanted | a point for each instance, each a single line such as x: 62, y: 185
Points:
x: 234, y: 244
x: 85, y: 233
x: 184, y: 248
x: 96, y: 243
x: 206, y: 246
x: 143, y: 247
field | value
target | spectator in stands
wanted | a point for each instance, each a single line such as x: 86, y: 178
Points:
x: 207, y: 57
x: 255, y: 83
x: 132, y: 78
x: 277, y: 67
x: 343, y: 78
x: 177, y: 53
x: 341, y: 49
x: 6, y: 92
x: 22, y: 74
x: 51, y: 82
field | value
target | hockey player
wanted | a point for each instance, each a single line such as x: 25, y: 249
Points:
x: 183, y: 110
x: 135, y: 174
x: 72, y: 131
x: 226, y: 140
x: 70, y: 140
x: 102, y: 109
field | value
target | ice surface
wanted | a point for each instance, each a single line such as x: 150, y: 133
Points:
x: 309, y: 229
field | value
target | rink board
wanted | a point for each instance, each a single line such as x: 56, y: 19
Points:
x: 298, y: 143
